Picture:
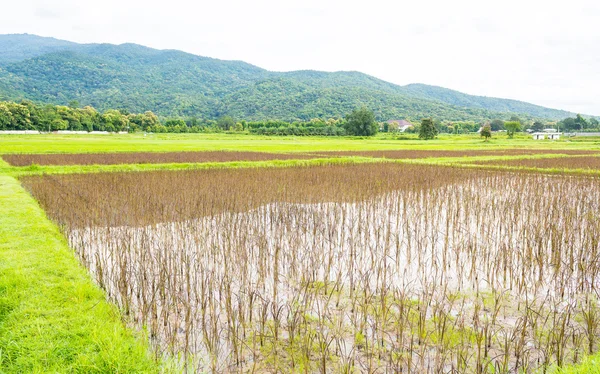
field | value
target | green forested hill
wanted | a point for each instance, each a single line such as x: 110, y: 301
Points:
x: 19, y: 47
x: 174, y: 83
x: 490, y: 103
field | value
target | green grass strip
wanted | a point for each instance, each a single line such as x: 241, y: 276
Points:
x: 78, y: 169
x: 53, y: 319
x: 564, y: 171
x: 590, y: 365
x: 470, y: 159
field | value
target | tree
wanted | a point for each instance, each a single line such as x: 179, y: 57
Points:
x: 486, y: 131
x: 115, y: 121
x: 6, y: 117
x: 59, y: 124
x: 581, y: 122
x: 192, y: 122
x: 226, y: 122
x: 90, y: 119
x: 497, y: 125
x: 428, y: 129
x: 594, y: 123
x: 158, y: 128
x: 512, y: 127
x: 20, y: 116
x: 441, y: 126
x: 174, y: 122
x: 149, y: 120
x: 72, y: 117
x: 361, y: 122
x: 393, y: 127
x: 568, y: 124
x: 537, y: 126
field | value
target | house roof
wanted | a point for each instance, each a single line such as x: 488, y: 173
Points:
x: 400, y: 122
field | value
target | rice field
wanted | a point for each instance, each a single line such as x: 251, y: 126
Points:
x: 146, y: 158
x: 433, y: 153
x: 591, y: 162
x: 344, y: 268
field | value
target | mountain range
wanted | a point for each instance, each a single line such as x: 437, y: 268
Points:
x: 135, y: 78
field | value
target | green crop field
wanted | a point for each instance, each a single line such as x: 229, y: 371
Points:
x: 55, y: 316
x: 54, y: 143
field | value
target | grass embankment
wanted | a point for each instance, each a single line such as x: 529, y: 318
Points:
x: 85, y: 169
x: 52, y: 317
x: 500, y: 163
x: 591, y: 365
x: 589, y: 162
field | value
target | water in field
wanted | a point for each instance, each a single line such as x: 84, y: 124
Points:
x: 497, y: 273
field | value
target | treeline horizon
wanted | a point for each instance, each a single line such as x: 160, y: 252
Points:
x: 27, y: 115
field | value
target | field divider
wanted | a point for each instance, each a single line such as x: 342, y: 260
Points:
x: 52, y: 315
x: 460, y: 162
x: 554, y: 171
x: 538, y: 156
x: 468, y: 159
x: 79, y: 169
x: 495, y: 167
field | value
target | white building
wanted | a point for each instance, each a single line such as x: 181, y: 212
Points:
x: 550, y: 135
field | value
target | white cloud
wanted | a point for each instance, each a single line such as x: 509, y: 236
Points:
x: 543, y: 52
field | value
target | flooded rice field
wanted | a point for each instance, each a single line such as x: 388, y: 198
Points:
x: 358, y: 268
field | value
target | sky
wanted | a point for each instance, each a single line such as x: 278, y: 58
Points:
x: 543, y: 52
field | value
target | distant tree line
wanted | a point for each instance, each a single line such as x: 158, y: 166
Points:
x: 514, y: 125
x: 360, y: 122
x: 330, y: 127
x: 579, y: 123
x: 29, y: 116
